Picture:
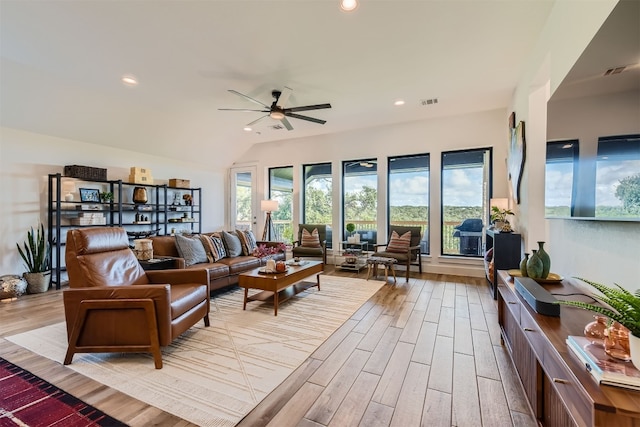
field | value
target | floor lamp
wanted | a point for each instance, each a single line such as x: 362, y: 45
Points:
x: 268, y: 206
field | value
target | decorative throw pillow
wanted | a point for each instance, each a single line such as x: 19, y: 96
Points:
x: 248, y: 241
x: 208, y: 246
x: 219, y: 251
x: 399, y: 244
x: 191, y: 249
x: 232, y: 244
x: 310, y: 240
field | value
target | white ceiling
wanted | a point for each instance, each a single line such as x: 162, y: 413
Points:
x: 62, y: 62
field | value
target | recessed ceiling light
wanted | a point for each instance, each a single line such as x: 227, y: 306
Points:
x: 247, y: 129
x: 348, y: 5
x: 129, y: 80
x: 399, y: 102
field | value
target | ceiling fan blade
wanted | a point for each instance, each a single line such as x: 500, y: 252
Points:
x: 310, y: 119
x: 245, y: 110
x: 248, y: 97
x: 256, y: 120
x: 286, y: 123
x: 284, y: 97
x: 308, y: 107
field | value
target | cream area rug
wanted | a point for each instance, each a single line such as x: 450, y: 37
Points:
x: 215, y: 376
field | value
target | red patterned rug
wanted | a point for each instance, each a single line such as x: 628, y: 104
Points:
x: 26, y: 400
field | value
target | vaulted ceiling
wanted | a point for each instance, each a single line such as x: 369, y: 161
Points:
x: 62, y: 62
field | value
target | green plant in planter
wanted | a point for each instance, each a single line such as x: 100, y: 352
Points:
x: 624, y: 306
x: 37, y: 252
x: 351, y: 227
x: 106, y: 197
x: 500, y: 215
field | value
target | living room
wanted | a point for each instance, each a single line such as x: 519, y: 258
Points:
x: 604, y: 251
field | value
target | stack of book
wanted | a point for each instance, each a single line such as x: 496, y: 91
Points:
x: 92, y: 218
x: 604, y: 368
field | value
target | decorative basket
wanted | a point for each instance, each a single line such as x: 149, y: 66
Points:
x: 85, y: 172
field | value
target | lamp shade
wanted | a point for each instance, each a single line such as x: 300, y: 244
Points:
x: 68, y: 187
x: 269, y: 205
x: 500, y: 203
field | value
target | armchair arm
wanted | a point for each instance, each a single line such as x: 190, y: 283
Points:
x: 179, y: 263
x: 177, y: 276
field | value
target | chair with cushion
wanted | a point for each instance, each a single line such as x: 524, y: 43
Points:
x: 312, y: 241
x: 404, y: 246
x: 113, y: 305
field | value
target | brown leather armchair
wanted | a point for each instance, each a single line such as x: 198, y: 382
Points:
x: 113, y: 305
x: 409, y: 258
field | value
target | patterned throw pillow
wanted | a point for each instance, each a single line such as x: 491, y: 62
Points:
x: 191, y: 249
x: 232, y: 244
x: 310, y: 240
x: 399, y: 244
x: 208, y: 247
x: 248, y: 241
x: 219, y: 251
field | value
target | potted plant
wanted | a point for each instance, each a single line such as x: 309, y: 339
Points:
x: 620, y: 306
x: 106, y: 197
x: 36, y: 254
x: 499, y: 218
x: 351, y: 227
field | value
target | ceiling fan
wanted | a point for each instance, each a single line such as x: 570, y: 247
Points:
x: 277, y: 111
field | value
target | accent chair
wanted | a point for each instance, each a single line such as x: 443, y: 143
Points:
x: 303, y: 249
x: 407, y: 254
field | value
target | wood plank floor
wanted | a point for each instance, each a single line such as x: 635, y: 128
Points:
x: 422, y: 353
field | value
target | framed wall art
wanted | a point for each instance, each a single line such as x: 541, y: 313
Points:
x: 89, y: 195
x: 515, y: 159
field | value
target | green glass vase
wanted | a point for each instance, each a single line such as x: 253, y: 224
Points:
x: 534, y: 265
x: 546, y: 260
x: 523, y: 265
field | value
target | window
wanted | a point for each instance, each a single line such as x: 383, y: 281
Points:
x: 243, y: 211
x: 317, y: 195
x: 281, y: 189
x: 559, y: 178
x: 360, y: 198
x: 618, y: 177
x: 465, y: 200
x: 408, y: 194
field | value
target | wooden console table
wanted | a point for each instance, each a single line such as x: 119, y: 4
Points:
x: 559, y: 389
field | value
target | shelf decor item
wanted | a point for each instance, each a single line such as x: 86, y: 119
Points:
x: 89, y: 195
x: 523, y: 265
x: 546, y: 260
x: 36, y: 254
x: 621, y: 306
x: 534, y: 266
x: 140, y: 195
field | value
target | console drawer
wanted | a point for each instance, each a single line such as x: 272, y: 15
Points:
x: 575, y: 400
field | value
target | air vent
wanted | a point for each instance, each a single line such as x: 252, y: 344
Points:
x: 430, y: 101
x: 616, y: 70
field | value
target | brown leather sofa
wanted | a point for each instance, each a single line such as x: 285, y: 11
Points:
x: 223, y: 272
x: 113, y: 305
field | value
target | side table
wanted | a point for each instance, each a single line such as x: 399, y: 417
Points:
x: 387, y: 263
x: 158, y: 264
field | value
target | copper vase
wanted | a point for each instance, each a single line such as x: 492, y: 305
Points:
x: 140, y: 195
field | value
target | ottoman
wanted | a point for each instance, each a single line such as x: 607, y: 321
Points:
x: 387, y: 263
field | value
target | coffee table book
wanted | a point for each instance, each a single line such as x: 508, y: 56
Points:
x: 605, y: 369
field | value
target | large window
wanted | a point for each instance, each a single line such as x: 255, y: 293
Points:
x: 408, y: 194
x: 466, y: 180
x: 618, y: 177
x: 559, y: 178
x: 317, y: 195
x: 360, y: 198
x: 281, y: 189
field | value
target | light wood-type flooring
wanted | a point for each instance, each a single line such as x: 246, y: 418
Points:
x: 422, y: 353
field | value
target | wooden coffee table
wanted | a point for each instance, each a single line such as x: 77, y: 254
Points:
x: 279, y: 286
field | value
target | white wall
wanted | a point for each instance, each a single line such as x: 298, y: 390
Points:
x: 596, y: 250
x: 27, y: 158
x: 483, y: 129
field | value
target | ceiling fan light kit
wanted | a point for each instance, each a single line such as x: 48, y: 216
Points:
x: 277, y: 111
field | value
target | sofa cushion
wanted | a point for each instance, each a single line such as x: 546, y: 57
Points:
x: 220, y: 251
x: 186, y: 296
x: 241, y: 263
x: 191, y: 249
x: 248, y: 241
x: 232, y: 244
x: 208, y: 246
x: 310, y: 240
x: 399, y: 244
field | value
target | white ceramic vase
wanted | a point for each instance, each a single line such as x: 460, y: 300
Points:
x: 634, y: 347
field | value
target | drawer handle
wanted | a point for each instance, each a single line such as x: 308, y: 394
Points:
x: 529, y: 330
x: 512, y: 302
x: 560, y: 380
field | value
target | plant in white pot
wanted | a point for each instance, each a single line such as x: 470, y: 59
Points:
x: 621, y: 306
x: 36, y: 254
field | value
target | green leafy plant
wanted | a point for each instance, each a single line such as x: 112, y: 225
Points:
x: 351, y: 227
x: 623, y: 306
x: 500, y: 215
x: 106, y: 197
x: 37, y: 252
